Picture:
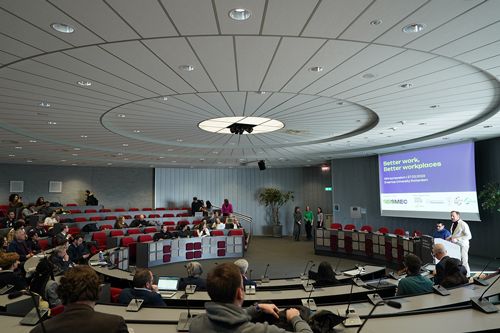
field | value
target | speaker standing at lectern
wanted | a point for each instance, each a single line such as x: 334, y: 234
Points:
x: 460, y: 234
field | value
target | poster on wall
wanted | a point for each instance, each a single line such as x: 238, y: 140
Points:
x: 16, y: 186
x: 55, y: 186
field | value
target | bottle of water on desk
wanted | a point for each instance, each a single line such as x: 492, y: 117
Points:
x: 101, y: 256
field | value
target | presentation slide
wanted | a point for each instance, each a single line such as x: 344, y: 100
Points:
x: 429, y: 182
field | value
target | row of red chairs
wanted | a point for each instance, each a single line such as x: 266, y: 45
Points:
x: 114, y: 217
x: 369, y: 228
x: 132, y: 209
x: 110, y: 217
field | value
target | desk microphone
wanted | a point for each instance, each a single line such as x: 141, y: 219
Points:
x: 250, y: 289
x: 185, y: 317
x: 352, y: 319
x: 393, y: 304
x: 308, y: 286
x: 265, y: 278
x: 37, y: 310
x: 309, y: 302
x: 303, y: 275
x: 375, y: 297
x: 483, y: 304
x: 480, y: 281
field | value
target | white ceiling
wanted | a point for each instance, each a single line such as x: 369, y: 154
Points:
x: 131, y: 51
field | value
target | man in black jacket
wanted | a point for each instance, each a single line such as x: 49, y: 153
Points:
x: 77, y: 252
x: 143, y: 289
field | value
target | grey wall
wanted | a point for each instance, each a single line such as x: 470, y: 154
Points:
x: 355, y: 183
x: 176, y: 187
x: 114, y: 187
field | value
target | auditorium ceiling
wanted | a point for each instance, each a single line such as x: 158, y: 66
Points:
x: 159, y: 83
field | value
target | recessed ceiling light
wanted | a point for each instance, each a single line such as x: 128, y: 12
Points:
x: 413, y: 28
x: 125, y: 144
x: 161, y: 157
x: 368, y: 76
x: 376, y: 22
x: 44, y: 104
x: 261, y: 92
x: 51, y: 123
x: 174, y: 161
x: 179, y: 140
x: 187, y: 68
x: 121, y: 115
x: 219, y: 162
x: 76, y: 148
x: 33, y: 141
x: 109, y: 163
x: 202, y: 159
x: 74, y: 154
x: 84, y: 83
x: 74, y: 164
x: 63, y: 160
x: 62, y: 27
x: 137, y: 131
x: 119, y: 154
x: 406, y: 85
x: 170, y: 149
x: 29, y: 161
x: 240, y: 14
x: 215, y: 152
x: 434, y: 106
x: 125, y: 158
x: 316, y: 69
x: 12, y: 155
x: 164, y: 98
x: 19, y: 147
x: 83, y: 136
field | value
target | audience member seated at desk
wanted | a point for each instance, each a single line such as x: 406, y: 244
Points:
x: 143, y: 288
x: 63, y: 236
x: 183, y: 231
x: 32, y: 242
x: 413, y: 283
x: 194, y: 271
x: 202, y: 229
x: 325, y: 276
x: 441, y: 231
x: 120, y: 223
x: 43, y: 283
x: 243, y: 266
x: 225, y: 314
x: 140, y: 222
x: 60, y: 259
x: 51, y: 219
x: 19, y: 245
x: 440, y: 253
x: 163, y: 234
x: 8, y: 221
x: 218, y: 225
x: 40, y: 229
x: 9, y: 272
x: 77, y: 251
x: 79, y: 291
x: 453, y: 274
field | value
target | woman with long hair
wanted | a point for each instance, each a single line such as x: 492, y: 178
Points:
x: 44, y: 284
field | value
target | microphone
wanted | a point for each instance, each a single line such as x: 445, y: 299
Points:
x: 265, y: 278
x: 309, y: 302
x: 134, y: 305
x: 375, y: 297
x: 303, y: 275
x: 335, y: 271
x: 308, y: 286
x: 185, y: 317
x: 483, y: 304
x: 392, y: 304
x: 478, y: 280
x: 29, y: 321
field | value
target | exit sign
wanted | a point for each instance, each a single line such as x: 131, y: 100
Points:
x: 328, y: 189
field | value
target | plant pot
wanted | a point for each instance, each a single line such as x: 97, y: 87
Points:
x: 277, y: 230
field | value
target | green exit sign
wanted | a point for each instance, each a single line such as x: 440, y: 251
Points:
x: 328, y: 189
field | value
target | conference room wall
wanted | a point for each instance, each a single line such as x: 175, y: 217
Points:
x: 114, y: 187
x: 177, y: 186
x: 355, y: 183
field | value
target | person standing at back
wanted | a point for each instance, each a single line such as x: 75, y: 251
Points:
x: 308, y: 222
x: 461, y: 235
x: 320, y: 219
x: 297, y: 222
x: 90, y: 199
x: 227, y: 208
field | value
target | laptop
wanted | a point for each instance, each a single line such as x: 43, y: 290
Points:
x: 167, y: 286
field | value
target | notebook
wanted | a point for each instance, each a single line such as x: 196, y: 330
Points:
x: 167, y: 286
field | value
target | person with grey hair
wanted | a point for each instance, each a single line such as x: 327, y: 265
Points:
x: 194, y: 271
x: 243, y: 266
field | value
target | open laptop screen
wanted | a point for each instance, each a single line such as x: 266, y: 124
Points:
x: 167, y: 283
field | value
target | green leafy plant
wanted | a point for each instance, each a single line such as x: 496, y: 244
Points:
x: 490, y: 197
x: 274, y: 198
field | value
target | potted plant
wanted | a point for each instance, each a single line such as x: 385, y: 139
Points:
x: 490, y: 197
x: 274, y: 198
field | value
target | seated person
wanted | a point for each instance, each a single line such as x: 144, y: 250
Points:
x: 79, y: 291
x: 43, y: 283
x: 163, y: 234
x: 225, y: 288
x: 218, y: 225
x: 19, y: 245
x: 453, y: 275
x: 8, y: 221
x: 77, y: 251
x: 51, y: 219
x: 202, y: 229
x: 9, y: 272
x: 40, y: 229
x: 28, y: 211
x: 183, y: 230
x: 413, y: 283
x: 63, y: 236
x: 441, y: 231
x: 32, y: 242
x: 120, y: 223
x: 140, y: 221
x: 194, y: 271
x: 325, y: 275
x: 143, y: 288
x: 243, y: 266
x: 60, y: 260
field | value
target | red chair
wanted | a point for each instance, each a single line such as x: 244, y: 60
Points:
x: 75, y: 211
x: 115, y: 294
x: 183, y: 215
x: 80, y: 219
x: 349, y: 227
x: 185, y: 208
x: 134, y: 231
x: 106, y: 227
x: 104, y: 210
x: 116, y: 233
x: 145, y: 238
x: 147, y: 209
x: 127, y: 217
x: 383, y: 230
x: 417, y: 233
x: 399, y: 231
x: 110, y: 217
x: 44, y: 244
x: 154, y: 216
x: 120, y: 210
x: 72, y: 231
x: 367, y: 228
x: 161, y: 208
x: 126, y: 241
x: 217, y: 233
x: 58, y: 309
x: 168, y: 215
x: 133, y: 209
x: 100, y: 238
x: 71, y: 205
x: 235, y: 232
x: 149, y: 230
x: 90, y: 211
x: 196, y: 222
x: 336, y: 226
x: 182, y: 223
x: 95, y: 218
x: 132, y: 247
x: 169, y: 223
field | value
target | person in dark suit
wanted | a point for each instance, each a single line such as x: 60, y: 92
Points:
x: 325, y: 276
x: 79, y: 291
x: 20, y: 246
x: 440, y: 253
x: 143, y: 288
x: 194, y: 270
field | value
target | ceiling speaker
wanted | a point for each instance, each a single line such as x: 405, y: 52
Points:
x: 262, y: 165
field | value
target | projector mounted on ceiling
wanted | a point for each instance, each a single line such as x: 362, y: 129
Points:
x: 239, y: 128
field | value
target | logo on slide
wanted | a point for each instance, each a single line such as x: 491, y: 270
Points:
x: 396, y: 201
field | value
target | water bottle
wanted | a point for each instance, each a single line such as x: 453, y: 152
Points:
x: 101, y: 256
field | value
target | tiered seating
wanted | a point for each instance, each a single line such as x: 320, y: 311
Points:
x: 399, y: 231
x: 95, y: 218
x: 336, y: 226
x: 88, y: 211
x: 149, y: 230
x: 383, y: 230
x: 145, y: 238
x: 367, y: 228
x: 349, y: 227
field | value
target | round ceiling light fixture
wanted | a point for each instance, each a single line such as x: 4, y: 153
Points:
x: 241, y: 125
x: 240, y: 14
x: 187, y: 68
x: 61, y: 27
x: 413, y: 28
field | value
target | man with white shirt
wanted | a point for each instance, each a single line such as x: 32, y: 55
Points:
x: 461, y: 235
